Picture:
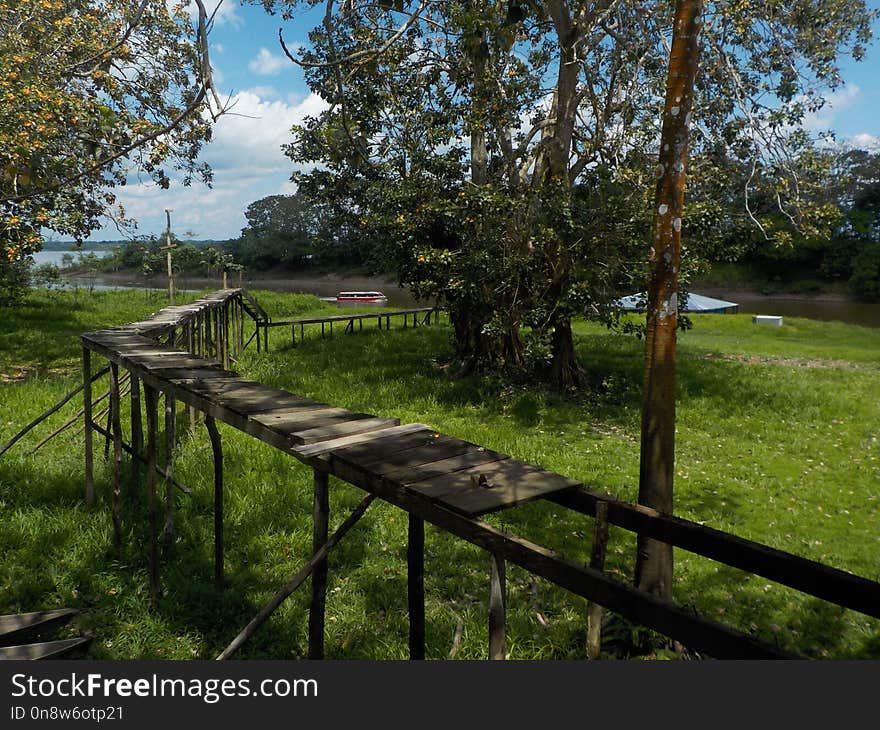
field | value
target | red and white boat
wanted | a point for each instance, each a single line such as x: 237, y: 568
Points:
x: 361, y: 298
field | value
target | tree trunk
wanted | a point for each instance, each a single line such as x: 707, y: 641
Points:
x: 565, y: 371
x: 654, y: 560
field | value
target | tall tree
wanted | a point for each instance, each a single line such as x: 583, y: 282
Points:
x: 93, y: 92
x: 437, y: 109
x: 655, y: 562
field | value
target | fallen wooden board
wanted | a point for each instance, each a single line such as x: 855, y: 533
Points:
x: 45, y: 650
x: 17, y: 626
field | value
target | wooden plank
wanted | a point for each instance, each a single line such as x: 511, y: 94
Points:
x: 323, y: 447
x: 290, y: 422
x: 356, y: 425
x: 418, y: 471
x: 246, y: 397
x: 373, y: 452
x: 697, y: 633
x: 45, y: 650
x: 808, y: 576
x: 17, y: 626
x: 507, y: 483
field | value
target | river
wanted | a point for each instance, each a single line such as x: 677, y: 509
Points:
x: 325, y: 285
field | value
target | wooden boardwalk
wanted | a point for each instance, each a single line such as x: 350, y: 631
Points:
x: 434, y: 477
x: 420, y: 316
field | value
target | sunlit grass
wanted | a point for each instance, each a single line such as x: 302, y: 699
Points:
x: 777, y: 441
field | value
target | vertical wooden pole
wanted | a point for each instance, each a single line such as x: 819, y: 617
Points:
x: 597, y: 562
x: 217, y: 448
x: 151, y: 401
x: 170, y: 441
x: 415, y: 559
x: 266, y: 337
x: 257, y: 325
x: 227, y: 344
x: 498, y: 608
x: 321, y: 519
x: 116, y: 430
x: 88, y: 434
x: 137, y: 436
x: 190, y: 335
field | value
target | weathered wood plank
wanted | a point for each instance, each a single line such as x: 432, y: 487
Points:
x: 359, y: 423
x: 217, y: 450
x: 322, y: 447
x: 420, y: 471
x: 372, y: 452
x: 45, y: 650
x: 493, y: 486
x: 18, y: 626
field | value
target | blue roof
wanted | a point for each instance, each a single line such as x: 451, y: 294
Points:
x: 695, y: 303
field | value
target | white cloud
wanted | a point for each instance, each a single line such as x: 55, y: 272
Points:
x: 267, y: 63
x: 248, y: 164
x: 835, y: 102
x: 864, y: 141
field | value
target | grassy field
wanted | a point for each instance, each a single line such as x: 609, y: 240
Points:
x: 777, y: 441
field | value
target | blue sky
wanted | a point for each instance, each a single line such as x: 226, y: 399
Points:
x: 271, y: 96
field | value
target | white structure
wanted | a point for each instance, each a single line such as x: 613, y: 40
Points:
x: 695, y: 303
x: 770, y: 319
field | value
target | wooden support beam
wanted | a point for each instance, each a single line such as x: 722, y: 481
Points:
x: 170, y: 443
x: 151, y: 401
x: 116, y: 431
x: 296, y: 580
x: 808, y: 576
x: 66, y: 399
x: 137, y: 434
x: 693, y: 631
x: 87, y: 424
x: 415, y: 559
x: 597, y: 562
x: 498, y: 608
x: 321, y: 520
x: 217, y: 449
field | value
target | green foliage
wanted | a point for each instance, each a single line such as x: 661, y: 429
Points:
x: 865, y: 280
x: 91, y: 92
x: 553, y: 219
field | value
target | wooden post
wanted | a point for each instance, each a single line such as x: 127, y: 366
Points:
x: 87, y: 429
x: 597, y: 562
x: 151, y: 401
x: 116, y: 430
x: 217, y: 448
x: 415, y: 559
x: 257, y: 325
x: 322, y: 330
x: 498, y: 608
x: 170, y: 441
x: 266, y: 338
x: 293, y: 335
x: 137, y: 435
x: 321, y: 520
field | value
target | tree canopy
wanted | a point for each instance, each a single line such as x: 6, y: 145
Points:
x: 94, y: 93
x: 507, y: 150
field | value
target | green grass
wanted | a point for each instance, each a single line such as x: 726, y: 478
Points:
x: 777, y: 441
